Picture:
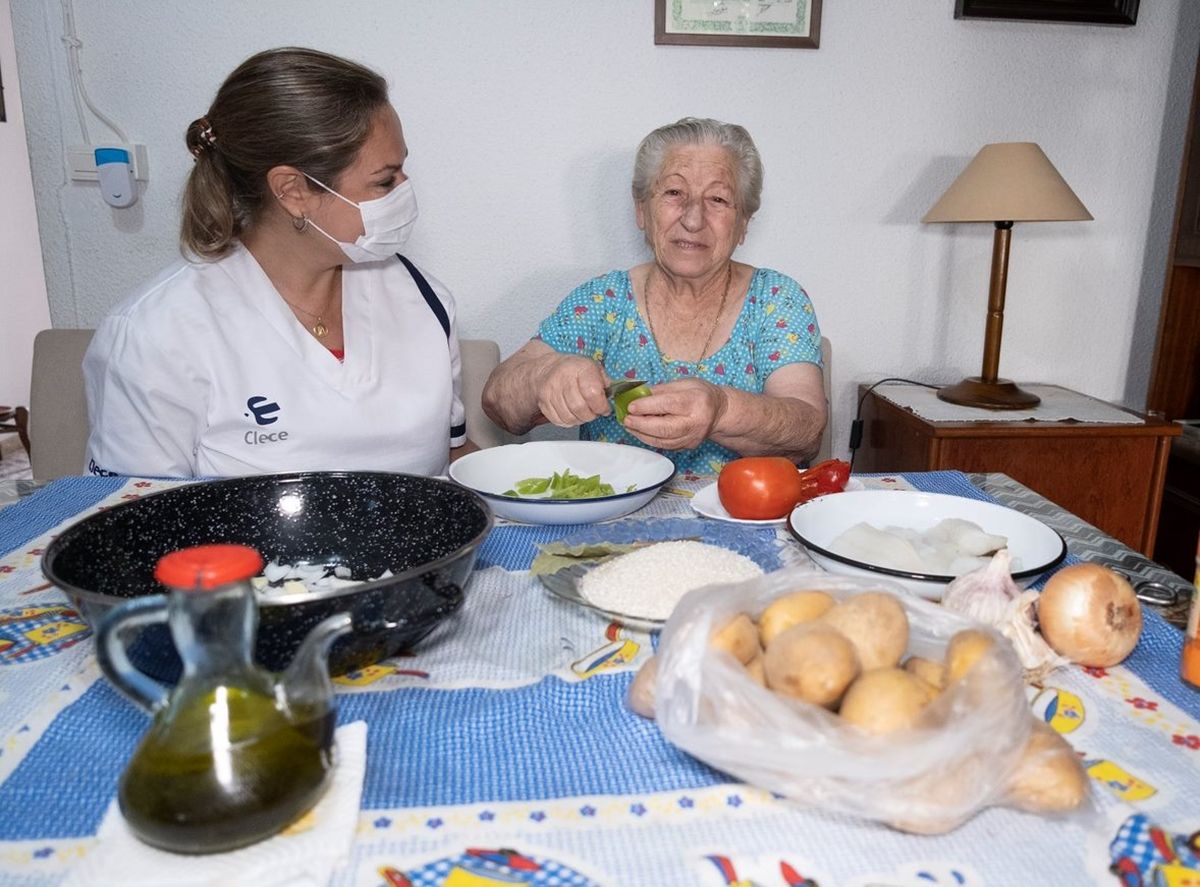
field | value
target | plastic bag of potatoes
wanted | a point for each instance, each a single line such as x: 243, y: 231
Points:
x: 851, y: 695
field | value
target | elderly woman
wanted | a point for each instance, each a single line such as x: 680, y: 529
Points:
x: 289, y: 338
x: 732, y: 352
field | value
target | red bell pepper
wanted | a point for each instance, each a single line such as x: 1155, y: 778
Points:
x: 823, y: 478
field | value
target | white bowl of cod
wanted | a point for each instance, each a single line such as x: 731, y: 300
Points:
x: 818, y: 524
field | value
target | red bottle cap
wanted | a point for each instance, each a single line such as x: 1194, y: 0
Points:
x: 206, y: 567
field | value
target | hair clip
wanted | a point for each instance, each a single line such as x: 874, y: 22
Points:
x: 204, y: 136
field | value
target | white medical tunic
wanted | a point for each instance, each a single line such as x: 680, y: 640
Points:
x: 207, y: 373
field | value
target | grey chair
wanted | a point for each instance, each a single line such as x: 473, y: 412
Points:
x: 479, y: 358
x: 826, y: 449
x: 58, y: 420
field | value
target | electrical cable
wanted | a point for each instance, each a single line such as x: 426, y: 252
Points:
x: 73, y: 44
x: 72, y: 64
x: 856, y: 427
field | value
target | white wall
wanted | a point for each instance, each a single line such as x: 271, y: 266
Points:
x: 23, y: 306
x: 522, y: 119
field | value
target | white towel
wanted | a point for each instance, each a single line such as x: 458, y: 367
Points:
x: 304, y: 854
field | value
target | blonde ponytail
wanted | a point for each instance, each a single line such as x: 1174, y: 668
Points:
x: 210, y: 227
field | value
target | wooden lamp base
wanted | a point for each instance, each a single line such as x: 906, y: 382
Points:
x: 998, y: 394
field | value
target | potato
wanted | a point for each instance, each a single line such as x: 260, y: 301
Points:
x: 811, y: 662
x: 1049, y: 777
x: 757, y: 670
x: 792, y: 609
x: 876, y: 624
x: 965, y: 649
x: 931, y: 672
x: 739, y: 638
x: 885, y: 699
x: 948, y: 797
x: 640, y: 697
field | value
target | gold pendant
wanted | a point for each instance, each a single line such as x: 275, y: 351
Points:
x: 320, y: 330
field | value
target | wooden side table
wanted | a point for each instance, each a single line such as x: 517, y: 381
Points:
x: 16, y: 419
x: 1110, y: 475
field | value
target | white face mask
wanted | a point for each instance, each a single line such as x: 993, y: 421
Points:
x: 387, y: 222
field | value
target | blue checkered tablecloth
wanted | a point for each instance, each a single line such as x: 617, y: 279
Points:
x: 501, y: 751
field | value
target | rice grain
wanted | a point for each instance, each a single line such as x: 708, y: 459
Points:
x: 649, y: 582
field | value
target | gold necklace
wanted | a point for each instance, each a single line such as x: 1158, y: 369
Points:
x: 663, y: 359
x: 318, y: 329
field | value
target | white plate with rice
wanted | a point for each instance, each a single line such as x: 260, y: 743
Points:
x: 707, y: 502
x: 634, y: 473
x: 641, y: 588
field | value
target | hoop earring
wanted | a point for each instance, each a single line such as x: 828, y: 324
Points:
x: 300, y: 223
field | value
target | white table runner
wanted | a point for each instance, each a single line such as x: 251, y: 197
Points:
x: 1058, y: 405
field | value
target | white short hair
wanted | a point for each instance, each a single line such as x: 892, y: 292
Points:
x: 748, y: 168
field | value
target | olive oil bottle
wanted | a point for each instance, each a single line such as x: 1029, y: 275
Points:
x: 234, y: 754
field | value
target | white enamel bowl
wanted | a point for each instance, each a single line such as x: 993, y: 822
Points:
x: 492, y: 471
x: 1035, y: 548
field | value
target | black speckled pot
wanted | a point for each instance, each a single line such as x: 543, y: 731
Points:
x: 426, y: 531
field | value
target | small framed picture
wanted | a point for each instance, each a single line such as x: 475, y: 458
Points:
x: 794, y: 24
x: 1091, y: 12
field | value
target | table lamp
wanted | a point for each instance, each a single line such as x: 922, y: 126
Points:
x: 1005, y: 183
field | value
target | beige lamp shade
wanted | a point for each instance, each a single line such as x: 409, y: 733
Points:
x: 1012, y: 182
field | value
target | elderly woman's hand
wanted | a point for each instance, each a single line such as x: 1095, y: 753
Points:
x: 572, y: 391
x: 678, y: 415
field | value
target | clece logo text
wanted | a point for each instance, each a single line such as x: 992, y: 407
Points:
x: 253, y: 438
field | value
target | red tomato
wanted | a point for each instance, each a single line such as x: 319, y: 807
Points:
x: 759, y: 487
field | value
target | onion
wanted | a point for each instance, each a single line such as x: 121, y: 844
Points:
x: 1090, y: 614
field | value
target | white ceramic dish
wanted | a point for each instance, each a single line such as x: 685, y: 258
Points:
x: 707, y: 502
x: 492, y: 471
x: 1035, y: 548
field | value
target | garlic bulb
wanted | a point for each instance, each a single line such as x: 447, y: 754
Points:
x: 984, y: 594
x: 990, y: 596
x: 1037, y: 657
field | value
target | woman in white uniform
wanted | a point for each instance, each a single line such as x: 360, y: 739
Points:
x: 294, y: 337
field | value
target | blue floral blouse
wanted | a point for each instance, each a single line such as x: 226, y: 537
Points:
x: 777, y: 326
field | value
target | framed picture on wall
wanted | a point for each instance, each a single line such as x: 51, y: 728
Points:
x: 1094, y: 12
x: 784, y: 23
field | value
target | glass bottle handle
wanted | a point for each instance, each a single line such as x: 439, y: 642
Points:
x: 113, y: 658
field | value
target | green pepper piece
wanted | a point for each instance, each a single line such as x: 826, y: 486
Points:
x: 531, y: 486
x: 563, y: 485
x: 621, y: 401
